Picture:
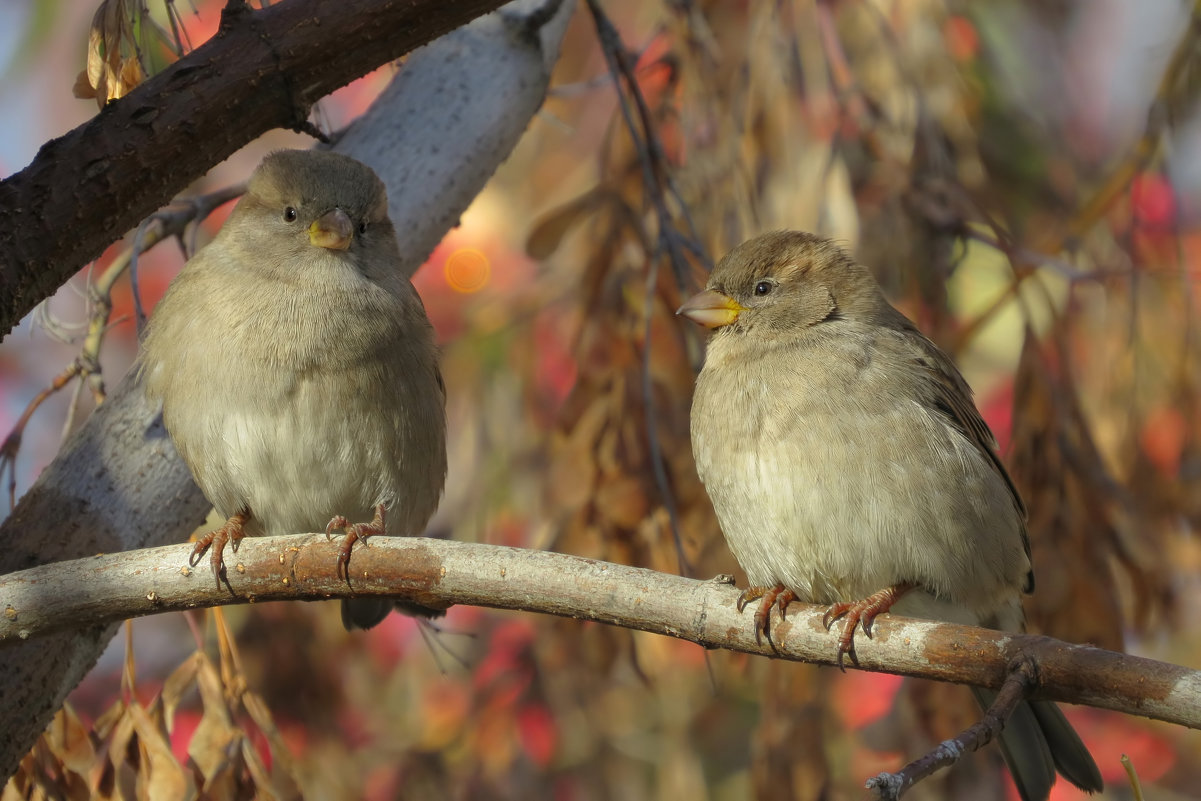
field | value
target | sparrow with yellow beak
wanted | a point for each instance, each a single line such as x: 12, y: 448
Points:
x: 849, y: 466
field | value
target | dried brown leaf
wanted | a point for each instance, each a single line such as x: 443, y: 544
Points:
x: 573, y: 475
x: 622, y: 500
x: 114, y: 65
x: 547, y: 232
x: 161, y: 775
x: 282, y: 776
x: 122, y: 759
x: 214, y: 738
x: 1075, y: 510
x: 179, y: 683
x: 68, y: 739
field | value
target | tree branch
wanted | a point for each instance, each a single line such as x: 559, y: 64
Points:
x: 262, y: 70
x: 438, y: 573
x: 1022, y: 677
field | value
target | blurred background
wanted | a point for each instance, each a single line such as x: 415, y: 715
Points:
x: 1023, y: 178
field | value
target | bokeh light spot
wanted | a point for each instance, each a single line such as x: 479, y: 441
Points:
x: 467, y: 270
x: 961, y: 37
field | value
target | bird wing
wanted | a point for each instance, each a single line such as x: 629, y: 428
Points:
x: 951, y: 396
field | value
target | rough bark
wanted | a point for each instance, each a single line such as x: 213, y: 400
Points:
x: 117, y: 484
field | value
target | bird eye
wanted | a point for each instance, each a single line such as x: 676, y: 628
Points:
x: 289, y: 214
x: 363, y: 227
x: 763, y: 288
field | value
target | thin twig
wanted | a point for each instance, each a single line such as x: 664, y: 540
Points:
x: 848, y: 93
x: 1136, y: 786
x: 12, y: 443
x: 172, y: 221
x: 654, y: 175
x: 590, y: 85
x: 650, y: 151
x: 1019, y: 682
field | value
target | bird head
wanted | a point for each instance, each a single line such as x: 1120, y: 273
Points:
x: 305, y: 203
x: 781, y: 282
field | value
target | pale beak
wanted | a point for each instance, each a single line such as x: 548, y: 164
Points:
x: 332, y: 230
x: 711, y: 309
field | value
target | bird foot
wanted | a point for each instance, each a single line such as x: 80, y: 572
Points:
x: 772, y: 596
x: 354, y: 531
x: 231, y: 532
x: 860, y: 613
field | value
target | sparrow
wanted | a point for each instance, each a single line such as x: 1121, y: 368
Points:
x: 298, y: 371
x: 848, y: 465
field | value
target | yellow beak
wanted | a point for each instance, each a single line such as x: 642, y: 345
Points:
x: 711, y: 309
x: 332, y: 230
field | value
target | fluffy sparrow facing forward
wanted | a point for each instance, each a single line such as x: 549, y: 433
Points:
x: 298, y: 370
x: 849, y: 466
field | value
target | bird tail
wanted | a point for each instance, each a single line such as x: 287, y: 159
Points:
x: 368, y: 612
x: 364, y: 613
x: 1036, y: 742
x: 1072, y: 759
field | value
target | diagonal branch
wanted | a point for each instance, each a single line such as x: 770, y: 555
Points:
x: 439, y: 573
x: 264, y: 69
x: 1021, y: 678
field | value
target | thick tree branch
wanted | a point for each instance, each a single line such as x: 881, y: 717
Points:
x: 109, y: 588
x: 264, y: 69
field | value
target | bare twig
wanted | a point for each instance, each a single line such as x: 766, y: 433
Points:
x: 172, y: 221
x: 1136, y: 786
x: 849, y: 94
x: 596, y: 82
x: 12, y: 443
x: 655, y: 176
x: 1019, y: 682
x: 1168, y: 97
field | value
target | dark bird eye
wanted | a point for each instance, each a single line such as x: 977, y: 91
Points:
x: 363, y: 227
x: 289, y: 214
x: 763, y: 287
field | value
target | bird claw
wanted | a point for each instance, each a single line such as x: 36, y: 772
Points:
x: 230, y: 532
x: 748, y: 595
x: 336, y: 523
x: 774, y: 596
x: 202, y: 545
x: 860, y: 613
x: 354, y: 531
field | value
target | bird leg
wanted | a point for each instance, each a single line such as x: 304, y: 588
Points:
x: 231, y: 531
x: 354, y: 531
x: 864, y: 612
x: 772, y: 596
